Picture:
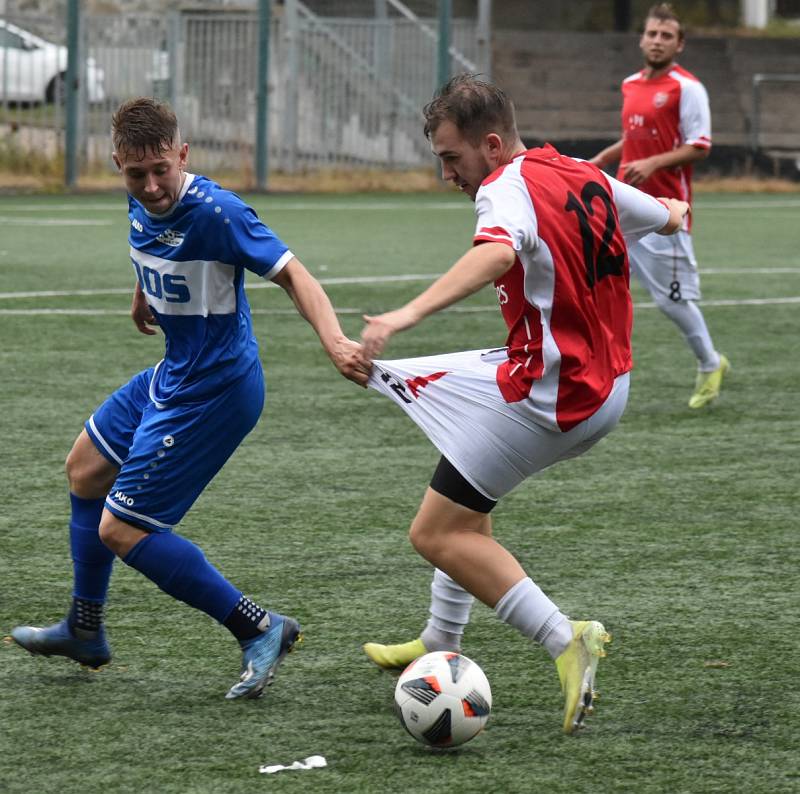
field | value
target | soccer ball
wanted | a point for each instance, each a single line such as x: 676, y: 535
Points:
x: 443, y: 699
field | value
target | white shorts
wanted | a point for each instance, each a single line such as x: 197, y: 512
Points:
x: 495, y: 445
x: 666, y: 266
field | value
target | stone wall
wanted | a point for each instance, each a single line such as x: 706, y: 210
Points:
x: 575, y: 86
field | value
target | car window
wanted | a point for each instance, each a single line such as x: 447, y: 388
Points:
x: 10, y: 40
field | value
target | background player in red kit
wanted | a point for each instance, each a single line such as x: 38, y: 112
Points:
x: 666, y: 126
x: 551, y: 236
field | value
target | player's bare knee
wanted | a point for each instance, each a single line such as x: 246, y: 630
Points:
x: 115, y: 534
x: 118, y: 535
x: 76, y: 472
x: 88, y: 480
x: 89, y: 474
x: 417, y: 537
x: 425, y: 541
x: 109, y: 534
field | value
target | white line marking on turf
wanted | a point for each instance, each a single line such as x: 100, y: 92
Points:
x: 8, y: 221
x: 64, y: 312
x: 80, y: 208
x: 643, y: 305
x: 302, y: 206
x: 735, y: 302
x: 747, y: 205
x: 333, y: 280
x: 361, y: 279
x: 343, y: 310
x: 394, y: 206
x: 49, y: 293
x: 757, y: 271
x: 254, y: 285
x: 451, y: 205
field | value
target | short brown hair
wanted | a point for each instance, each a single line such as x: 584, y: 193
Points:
x: 664, y: 12
x: 144, y: 125
x: 474, y: 106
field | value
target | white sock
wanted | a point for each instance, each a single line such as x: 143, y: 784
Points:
x: 688, y: 317
x: 531, y: 612
x: 450, y: 607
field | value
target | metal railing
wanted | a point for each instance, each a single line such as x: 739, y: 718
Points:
x: 793, y: 135
x: 342, y: 92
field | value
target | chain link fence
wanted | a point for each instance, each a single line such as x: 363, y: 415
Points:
x: 343, y: 93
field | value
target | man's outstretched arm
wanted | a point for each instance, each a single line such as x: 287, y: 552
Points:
x: 678, y: 210
x: 314, y: 305
x: 478, y: 267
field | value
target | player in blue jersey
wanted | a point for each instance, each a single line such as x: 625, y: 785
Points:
x: 150, y: 449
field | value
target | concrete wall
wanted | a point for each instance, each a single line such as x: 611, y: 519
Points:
x: 566, y: 86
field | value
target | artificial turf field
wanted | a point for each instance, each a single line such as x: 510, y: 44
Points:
x: 679, y: 531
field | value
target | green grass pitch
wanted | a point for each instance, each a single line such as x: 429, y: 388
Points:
x: 679, y: 531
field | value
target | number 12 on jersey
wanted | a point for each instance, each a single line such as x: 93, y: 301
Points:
x: 604, y: 263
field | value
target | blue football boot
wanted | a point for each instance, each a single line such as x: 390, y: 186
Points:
x: 262, y: 655
x: 58, y: 640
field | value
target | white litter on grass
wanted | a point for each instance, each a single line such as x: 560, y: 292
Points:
x: 312, y: 762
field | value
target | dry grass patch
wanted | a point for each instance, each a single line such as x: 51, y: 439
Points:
x: 745, y: 184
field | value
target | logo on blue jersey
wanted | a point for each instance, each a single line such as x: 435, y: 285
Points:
x: 137, y: 225
x: 121, y: 497
x: 171, y: 238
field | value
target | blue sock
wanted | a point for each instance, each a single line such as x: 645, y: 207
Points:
x: 92, y: 561
x: 181, y: 570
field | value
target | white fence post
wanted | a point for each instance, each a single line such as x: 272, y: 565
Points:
x: 755, y: 13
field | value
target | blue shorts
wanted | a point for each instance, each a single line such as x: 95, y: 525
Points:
x: 167, y: 456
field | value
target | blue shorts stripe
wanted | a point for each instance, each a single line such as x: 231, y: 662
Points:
x: 141, y: 520
x: 102, y: 445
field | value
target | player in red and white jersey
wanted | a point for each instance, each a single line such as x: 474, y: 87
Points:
x: 666, y: 127
x: 551, y: 235
x: 663, y: 112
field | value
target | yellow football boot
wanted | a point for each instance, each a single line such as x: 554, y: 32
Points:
x: 576, y: 670
x: 708, y: 384
x: 395, y: 657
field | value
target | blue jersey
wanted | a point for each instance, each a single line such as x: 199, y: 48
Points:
x: 190, y: 263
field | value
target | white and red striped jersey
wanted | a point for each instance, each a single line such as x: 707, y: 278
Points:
x: 566, y: 300
x: 658, y: 116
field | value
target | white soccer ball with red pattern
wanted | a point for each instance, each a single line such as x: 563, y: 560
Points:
x: 443, y: 699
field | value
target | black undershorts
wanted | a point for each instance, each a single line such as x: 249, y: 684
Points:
x: 449, y: 482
